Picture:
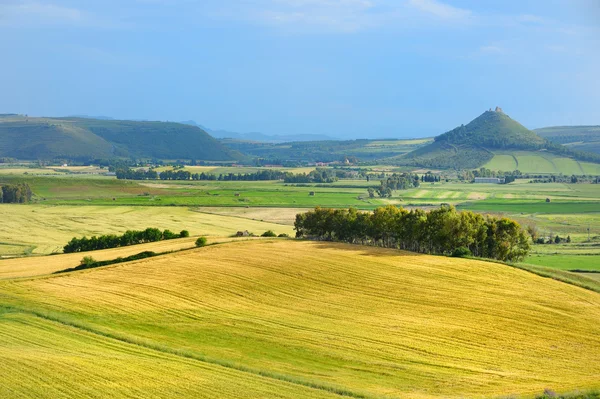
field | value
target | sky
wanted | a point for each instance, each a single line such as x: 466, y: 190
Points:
x: 342, y: 68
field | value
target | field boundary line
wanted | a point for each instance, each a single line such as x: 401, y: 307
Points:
x: 188, y: 355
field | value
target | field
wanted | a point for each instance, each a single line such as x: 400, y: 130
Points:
x: 589, y: 262
x: 77, y: 363
x: 46, y: 229
x: 362, y: 321
x: 540, y: 163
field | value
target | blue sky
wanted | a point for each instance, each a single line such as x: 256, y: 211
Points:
x: 345, y: 68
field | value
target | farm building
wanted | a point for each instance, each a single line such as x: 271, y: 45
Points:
x: 492, y: 180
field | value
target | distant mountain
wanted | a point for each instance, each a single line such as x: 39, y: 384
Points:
x: 473, y: 145
x: 582, y: 138
x: 256, y: 136
x: 73, y: 138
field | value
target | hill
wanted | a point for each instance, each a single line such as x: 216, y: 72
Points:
x: 289, y: 315
x: 477, y: 143
x: 581, y: 138
x: 84, y: 139
x: 365, y: 150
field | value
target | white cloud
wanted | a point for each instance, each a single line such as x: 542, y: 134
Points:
x: 329, y: 15
x: 36, y: 12
x: 439, y: 9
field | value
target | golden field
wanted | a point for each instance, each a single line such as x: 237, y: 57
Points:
x: 366, y: 322
x: 41, y: 229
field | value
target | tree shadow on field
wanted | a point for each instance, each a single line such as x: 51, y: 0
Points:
x: 366, y: 250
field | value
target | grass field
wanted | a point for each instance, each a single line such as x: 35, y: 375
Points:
x: 40, y: 229
x: 566, y: 262
x: 540, y: 162
x: 369, y: 322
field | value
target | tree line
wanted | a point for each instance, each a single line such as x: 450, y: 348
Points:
x: 130, y: 237
x: 19, y: 193
x: 397, y: 181
x: 441, y: 231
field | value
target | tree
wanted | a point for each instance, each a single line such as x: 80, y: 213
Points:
x: 371, y: 192
x: 201, y: 241
x: 557, y: 239
x: 184, y: 234
x: 533, y: 232
x: 269, y: 233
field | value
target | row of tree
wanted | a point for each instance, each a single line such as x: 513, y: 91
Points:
x: 319, y: 175
x: 130, y: 237
x: 440, y: 231
x: 19, y: 193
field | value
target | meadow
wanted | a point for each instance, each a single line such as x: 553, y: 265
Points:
x: 280, y: 316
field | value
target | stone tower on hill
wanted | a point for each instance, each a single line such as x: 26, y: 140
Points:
x: 498, y: 109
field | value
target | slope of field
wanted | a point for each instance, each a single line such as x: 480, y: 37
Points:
x: 40, y: 229
x: 541, y: 162
x: 375, y: 322
x: 31, y: 138
x: 45, y: 359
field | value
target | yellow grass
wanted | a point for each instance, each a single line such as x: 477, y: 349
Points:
x: 44, y: 359
x: 46, y: 229
x: 373, y: 321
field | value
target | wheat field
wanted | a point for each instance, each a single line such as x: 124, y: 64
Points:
x: 359, y: 321
x: 40, y: 229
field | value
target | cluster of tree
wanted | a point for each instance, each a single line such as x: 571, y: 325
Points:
x: 319, y: 175
x: 19, y: 193
x: 430, y: 178
x: 136, y: 174
x: 553, y: 240
x: 397, y: 181
x: 131, y: 237
x: 440, y: 231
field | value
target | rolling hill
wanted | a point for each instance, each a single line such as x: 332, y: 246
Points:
x: 494, y: 134
x: 581, y: 138
x: 297, y: 319
x: 83, y: 139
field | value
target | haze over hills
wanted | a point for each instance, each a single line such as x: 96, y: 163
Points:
x: 475, y: 144
x: 85, y: 139
x: 260, y: 137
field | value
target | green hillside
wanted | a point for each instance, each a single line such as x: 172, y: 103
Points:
x: 27, y: 138
x: 581, y: 138
x: 494, y: 134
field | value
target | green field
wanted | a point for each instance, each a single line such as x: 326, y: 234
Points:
x: 540, y: 162
x: 567, y: 262
x: 280, y: 316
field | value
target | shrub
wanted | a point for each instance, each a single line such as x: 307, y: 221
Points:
x: 184, y: 234
x: 201, y: 241
x: 269, y: 233
x: 283, y: 235
x: 461, y: 252
x: 87, y: 261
